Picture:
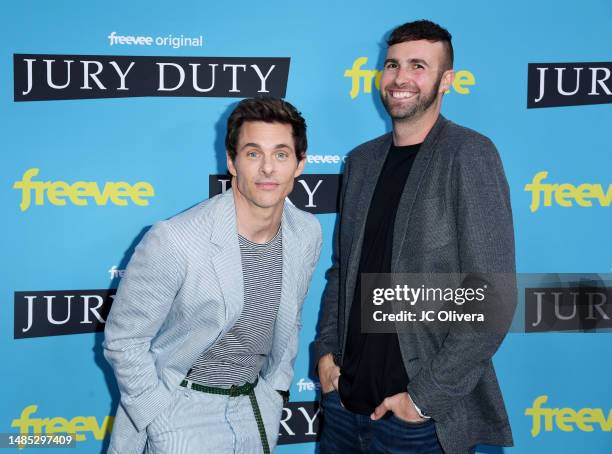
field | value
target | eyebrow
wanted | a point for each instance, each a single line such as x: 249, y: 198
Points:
x: 279, y: 146
x: 411, y: 60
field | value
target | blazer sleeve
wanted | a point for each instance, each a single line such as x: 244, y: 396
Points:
x: 284, y: 374
x: 486, y: 252
x: 141, y: 305
x: 327, y: 339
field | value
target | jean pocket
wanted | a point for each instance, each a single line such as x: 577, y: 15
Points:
x: 332, y: 400
x: 329, y: 393
x: 410, y: 423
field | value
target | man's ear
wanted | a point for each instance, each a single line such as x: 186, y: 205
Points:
x: 230, y: 164
x: 447, y: 81
x: 300, y: 167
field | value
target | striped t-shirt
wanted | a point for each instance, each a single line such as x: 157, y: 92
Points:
x: 238, y: 356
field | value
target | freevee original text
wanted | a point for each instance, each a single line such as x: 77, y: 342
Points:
x: 55, y: 77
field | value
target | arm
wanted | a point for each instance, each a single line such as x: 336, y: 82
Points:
x: 282, y: 377
x: 326, y: 343
x: 485, y: 245
x: 141, y: 305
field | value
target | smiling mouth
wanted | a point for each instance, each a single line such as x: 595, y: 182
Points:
x: 402, y: 94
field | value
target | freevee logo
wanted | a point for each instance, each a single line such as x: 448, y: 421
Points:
x: 313, y: 192
x: 324, y: 159
x: 57, y: 312
x: 463, y: 79
x: 80, y: 426
x: 53, y: 77
x: 80, y: 192
x: 564, y: 193
x: 299, y: 423
x: 116, y: 273
x: 567, y: 419
x: 581, y: 308
x: 568, y: 84
x: 307, y: 385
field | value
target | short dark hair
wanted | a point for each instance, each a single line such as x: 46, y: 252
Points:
x: 424, y: 29
x: 269, y: 110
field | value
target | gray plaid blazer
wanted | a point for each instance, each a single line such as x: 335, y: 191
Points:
x: 454, y: 216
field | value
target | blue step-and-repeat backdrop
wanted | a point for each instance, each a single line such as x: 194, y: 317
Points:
x: 113, y: 117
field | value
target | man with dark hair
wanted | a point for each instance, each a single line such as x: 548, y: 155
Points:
x: 427, y: 30
x: 268, y: 110
x: 203, y: 332
x: 429, y: 197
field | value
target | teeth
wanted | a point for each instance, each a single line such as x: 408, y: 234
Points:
x: 401, y: 94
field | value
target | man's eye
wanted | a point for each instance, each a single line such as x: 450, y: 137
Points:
x: 282, y: 155
x: 251, y: 154
x: 419, y: 66
x: 390, y: 66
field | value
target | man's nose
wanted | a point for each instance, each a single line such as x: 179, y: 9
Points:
x: 403, y: 76
x: 267, y: 165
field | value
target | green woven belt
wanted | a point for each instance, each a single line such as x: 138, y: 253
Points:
x: 248, y: 389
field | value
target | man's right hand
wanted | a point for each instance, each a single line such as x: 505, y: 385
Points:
x: 329, y: 373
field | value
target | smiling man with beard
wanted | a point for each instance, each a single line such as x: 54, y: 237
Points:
x: 429, y: 197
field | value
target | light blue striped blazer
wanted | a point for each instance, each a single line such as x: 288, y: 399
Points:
x: 183, y: 290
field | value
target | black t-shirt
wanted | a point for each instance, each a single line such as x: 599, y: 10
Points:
x: 372, y: 366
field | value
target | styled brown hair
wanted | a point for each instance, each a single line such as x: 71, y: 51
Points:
x: 424, y: 29
x: 269, y: 110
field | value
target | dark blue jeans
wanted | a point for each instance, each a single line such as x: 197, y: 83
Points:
x: 345, y: 432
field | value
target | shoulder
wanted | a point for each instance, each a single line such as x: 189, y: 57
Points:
x: 466, y: 141
x: 194, y: 220
x: 367, y: 150
x: 474, y: 155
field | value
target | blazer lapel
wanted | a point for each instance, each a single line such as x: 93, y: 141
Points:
x: 411, y: 189
x: 368, y: 186
x: 287, y: 309
x: 408, y: 339
x: 227, y: 262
